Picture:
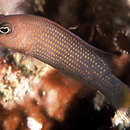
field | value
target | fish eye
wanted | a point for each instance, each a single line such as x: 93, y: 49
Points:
x: 5, y: 28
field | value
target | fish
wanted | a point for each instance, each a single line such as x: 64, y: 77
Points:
x: 52, y: 44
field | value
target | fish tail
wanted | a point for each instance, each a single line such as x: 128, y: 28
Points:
x: 116, y: 91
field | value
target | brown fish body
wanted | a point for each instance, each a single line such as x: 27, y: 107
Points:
x: 56, y: 46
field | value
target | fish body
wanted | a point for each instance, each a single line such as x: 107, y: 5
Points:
x: 58, y: 47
